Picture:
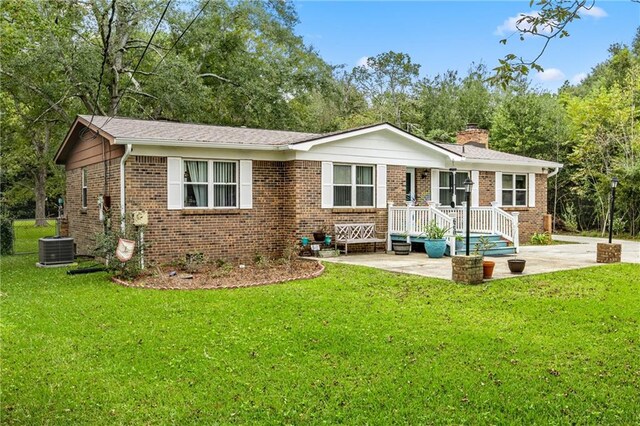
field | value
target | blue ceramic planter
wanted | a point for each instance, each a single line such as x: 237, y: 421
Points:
x: 435, y: 248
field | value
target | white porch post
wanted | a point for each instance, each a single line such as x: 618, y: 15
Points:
x: 515, y: 230
x: 389, y: 219
x: 494, y: 217
x: 452, y: 239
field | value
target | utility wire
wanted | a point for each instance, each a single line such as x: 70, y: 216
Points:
x: 144, y: 52
x: 104, y: 60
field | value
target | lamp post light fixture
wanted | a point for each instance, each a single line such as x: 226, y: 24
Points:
x: 614, y: 183
x: 468, y: 184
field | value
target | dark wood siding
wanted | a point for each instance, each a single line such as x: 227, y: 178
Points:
x: 91, y: 149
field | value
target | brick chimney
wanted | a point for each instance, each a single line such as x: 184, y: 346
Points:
x: 473, y: 134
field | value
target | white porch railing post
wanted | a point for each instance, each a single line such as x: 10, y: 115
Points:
x: 389, y: 223
x: 407, y: 221
x: 494, y: 217
x: 516, y: 234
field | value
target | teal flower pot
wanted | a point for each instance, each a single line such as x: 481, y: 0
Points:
x: 435, y: 248
x: 327, y: 240
x: 305, y: 241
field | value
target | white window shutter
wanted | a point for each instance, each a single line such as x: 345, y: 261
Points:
x: 246, y: 184
x: 475, y: 190
x: 499, y: 188
x: 532, y: 189
x: 327, y: 184
x: 381, y: 186
x: 435, y: 185
x: 174, y: 183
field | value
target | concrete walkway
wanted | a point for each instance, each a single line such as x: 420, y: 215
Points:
x: 540, y: 259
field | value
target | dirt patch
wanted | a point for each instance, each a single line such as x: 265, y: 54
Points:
x: 213, y: 277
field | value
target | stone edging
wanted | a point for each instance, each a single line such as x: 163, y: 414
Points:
x: 261, y: 283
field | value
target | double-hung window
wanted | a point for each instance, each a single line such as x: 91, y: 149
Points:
x: 448, y: 185
x: 514, y: 190
x: 353, y: 186
x: 84, y: 178
x: 210, y: 184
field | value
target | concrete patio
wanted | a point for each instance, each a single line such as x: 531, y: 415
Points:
x: 540, y: 259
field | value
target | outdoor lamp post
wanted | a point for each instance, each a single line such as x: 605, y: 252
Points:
x: 614, y: 183
x: 468, y: 184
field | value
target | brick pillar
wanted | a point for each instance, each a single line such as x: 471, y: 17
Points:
x: 467, y: 269
x: 608, y: 253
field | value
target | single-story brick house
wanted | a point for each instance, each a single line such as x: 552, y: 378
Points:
x: 233, y: 192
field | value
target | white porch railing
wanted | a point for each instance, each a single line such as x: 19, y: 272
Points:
x: 412, y: 220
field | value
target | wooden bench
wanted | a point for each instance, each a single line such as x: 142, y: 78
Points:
x: 356, y: 233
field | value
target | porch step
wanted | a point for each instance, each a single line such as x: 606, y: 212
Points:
x: 502, y: 247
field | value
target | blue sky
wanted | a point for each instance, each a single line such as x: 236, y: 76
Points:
x: 451, y: 35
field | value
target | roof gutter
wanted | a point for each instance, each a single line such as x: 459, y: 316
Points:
x: 123, y: 160
x: 199, y: 144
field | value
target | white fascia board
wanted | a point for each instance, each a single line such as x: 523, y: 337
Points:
x: 306, y: 146
x: 540, y: 164
x: 199, y: 144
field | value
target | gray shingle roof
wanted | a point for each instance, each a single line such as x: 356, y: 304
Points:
x: 130, y: 128
x: 472, y: 152
x: 150, y: 131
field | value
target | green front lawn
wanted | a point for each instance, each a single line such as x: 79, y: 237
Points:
x: 354, y: 346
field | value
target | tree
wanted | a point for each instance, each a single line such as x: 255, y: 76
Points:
x: 448, y: 102
x: 549, y: 23
x: 387, y: 81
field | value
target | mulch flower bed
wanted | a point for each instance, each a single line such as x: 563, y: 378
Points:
x: 224, y: 276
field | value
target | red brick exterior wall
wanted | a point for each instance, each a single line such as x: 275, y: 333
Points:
x: 286, y: 206
x: 487, y: 188
x: 423, y: 186
x: 308, y: 215
x: 532, y: 219
x: 84, y: 224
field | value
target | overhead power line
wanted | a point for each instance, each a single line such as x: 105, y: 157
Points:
x: 104, y: 60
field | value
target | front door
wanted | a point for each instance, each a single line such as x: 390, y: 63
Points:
x: 410, y: 185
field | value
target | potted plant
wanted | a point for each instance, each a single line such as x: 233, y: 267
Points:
x: 327, y: 240
x: 435, y: 244
x: 481, y: 247
x: 319, y: 234
x: 402, y: 248
x: 516, y: 266
x: 459, y: 243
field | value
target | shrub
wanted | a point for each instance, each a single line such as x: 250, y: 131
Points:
x: 193, y: 262
x: 570, y: 219
x: 541, y: 239
x: 7, y: 235
x: 106, y: 244
x: 619, y: 225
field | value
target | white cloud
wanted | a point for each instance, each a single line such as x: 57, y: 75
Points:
x: 362, y: 62
x: 511, y: 25
x: 576, y: 79
x: 594, y: 12
x: 550, y: 74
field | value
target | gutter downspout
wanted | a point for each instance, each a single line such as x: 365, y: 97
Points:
x: 123, y: 160
x: 553, y: 173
